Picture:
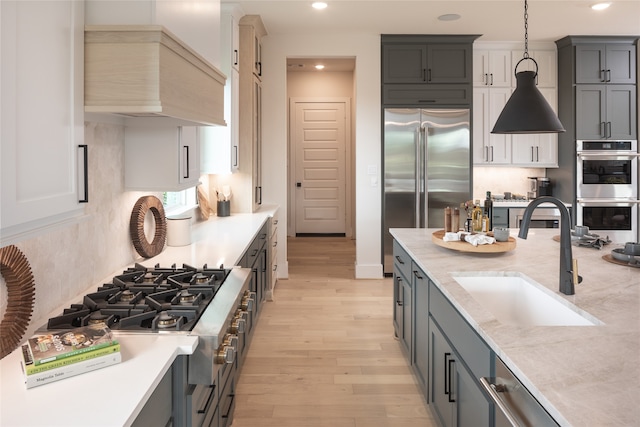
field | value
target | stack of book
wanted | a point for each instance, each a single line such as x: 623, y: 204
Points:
x: 54, y: 356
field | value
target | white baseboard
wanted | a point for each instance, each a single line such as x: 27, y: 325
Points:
x: 369, y: 271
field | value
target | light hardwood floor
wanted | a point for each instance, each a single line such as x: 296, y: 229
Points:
x: 324, y: 352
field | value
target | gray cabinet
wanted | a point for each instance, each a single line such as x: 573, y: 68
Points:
x: 458, y: 357
x: 426, y: 70
x: 605, y: 111
x: 420, y: 316
x: 605, y: 63
x: 256, y: 258
x: 402, y: 297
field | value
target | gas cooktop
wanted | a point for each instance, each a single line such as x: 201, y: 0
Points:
x: 146, y: 299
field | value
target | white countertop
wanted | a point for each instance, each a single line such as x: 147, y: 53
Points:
x: 125, y: 388
x: 583, y: 375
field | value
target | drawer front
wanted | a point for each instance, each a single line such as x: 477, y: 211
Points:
x: 471, y: 348
x: 401, y: 260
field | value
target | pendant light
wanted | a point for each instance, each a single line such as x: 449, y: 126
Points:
x: 527, y: 111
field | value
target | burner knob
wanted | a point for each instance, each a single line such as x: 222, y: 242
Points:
x: 241, y: 314
x: 225, y: 354
x: 248, y: 301
x: 238, y: 325
x: 230, y: 340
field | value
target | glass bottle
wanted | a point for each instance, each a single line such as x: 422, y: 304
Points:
x: 488, y: 211
x: 476, y: 217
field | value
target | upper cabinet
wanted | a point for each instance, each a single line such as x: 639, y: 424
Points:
x: 597, y: 82
x: 220, y: 146
x: 145, y: 70
x: 426, y: 70
x: 42, y: 119
x: 605, y: 63
x: 494, y: 68
x: 161, y: 158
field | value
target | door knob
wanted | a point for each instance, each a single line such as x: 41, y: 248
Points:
x: 298, y: 184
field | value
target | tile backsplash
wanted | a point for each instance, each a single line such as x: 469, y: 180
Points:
x: 67, y: 260
x: 501, y: 179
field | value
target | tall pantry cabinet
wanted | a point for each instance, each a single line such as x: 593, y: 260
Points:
x: 42, y: 115
x: 597, y: 93
x: 250, y: 116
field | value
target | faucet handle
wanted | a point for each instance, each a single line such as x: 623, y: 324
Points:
x: 574, y: 270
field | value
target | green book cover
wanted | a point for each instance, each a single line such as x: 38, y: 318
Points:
x: 52, y: 346
x: 66, y: 361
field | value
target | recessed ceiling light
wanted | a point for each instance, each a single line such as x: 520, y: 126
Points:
x: 319, y: 67
x: 600, y: 6
x: 449, y: 17
x: 319, y: 5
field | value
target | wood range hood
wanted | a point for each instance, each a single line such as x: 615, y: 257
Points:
x: 146, y: 71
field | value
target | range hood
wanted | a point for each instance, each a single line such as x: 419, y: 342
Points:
x: 146, y: 71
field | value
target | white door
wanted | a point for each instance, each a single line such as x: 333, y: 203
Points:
x: 319, y: 142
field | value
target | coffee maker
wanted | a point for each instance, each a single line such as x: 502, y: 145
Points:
x: 538, y: 186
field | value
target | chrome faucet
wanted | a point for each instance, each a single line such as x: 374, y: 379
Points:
x: 568, y: 266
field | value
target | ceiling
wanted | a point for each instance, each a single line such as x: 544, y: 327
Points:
x: 500, y: 20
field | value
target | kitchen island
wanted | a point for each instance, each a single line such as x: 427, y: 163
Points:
x: 115, y: 396
x: 582, y: 375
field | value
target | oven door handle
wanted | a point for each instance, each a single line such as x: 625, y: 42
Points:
x: 607, y: 201
x: 608, y: 154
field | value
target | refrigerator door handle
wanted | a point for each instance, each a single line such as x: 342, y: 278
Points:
x: 423, y: 178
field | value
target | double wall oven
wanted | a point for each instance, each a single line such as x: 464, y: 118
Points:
x: 607, y: 188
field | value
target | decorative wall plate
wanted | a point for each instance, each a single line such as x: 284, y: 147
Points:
x: 16, y: 272
x: 136, y: 226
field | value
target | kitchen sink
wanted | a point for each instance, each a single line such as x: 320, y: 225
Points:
x: 516, y: 299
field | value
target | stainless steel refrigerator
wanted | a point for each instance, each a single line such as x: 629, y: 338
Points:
x: 427, y: 167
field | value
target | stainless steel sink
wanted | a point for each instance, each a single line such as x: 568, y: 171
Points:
x: 514, y: 298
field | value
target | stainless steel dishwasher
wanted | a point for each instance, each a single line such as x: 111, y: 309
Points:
x: 515, y: 406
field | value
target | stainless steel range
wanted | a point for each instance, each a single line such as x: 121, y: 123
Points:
x: 215, y: 304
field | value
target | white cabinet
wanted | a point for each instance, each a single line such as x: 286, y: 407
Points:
x: 249, y: 184
x: 42, y: 114
x: 488, y: 148
x: 161, y: 158
x: 220, y: 147
x: 492, y: 68
x: 537, y: 150
x: 547, y: 67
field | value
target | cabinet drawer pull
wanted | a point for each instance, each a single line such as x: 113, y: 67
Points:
x: 418, y: 276
x: 399, y: 260
x: 452, y: 363
x: 447, y: 385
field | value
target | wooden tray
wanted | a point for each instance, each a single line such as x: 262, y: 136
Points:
x: 497, y: 247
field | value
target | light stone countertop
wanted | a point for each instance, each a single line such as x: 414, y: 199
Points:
x: 79, y: 401
x: 582, y: 375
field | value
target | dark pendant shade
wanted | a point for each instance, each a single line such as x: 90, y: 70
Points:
x: 527, y: 111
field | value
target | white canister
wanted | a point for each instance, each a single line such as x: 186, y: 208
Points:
x: 179, y: 231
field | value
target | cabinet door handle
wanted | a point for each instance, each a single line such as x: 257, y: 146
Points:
x: 85, y: 173
x: 486, y: 79
x: 608, y: 74
x: 603, y: 129
x: 603, y: 75
x: 235, y: 154
x: 185, y: 152
x: 446, y: 373
x: 486, y: 154
x: 429, y: 74
x: 532, y: 158
x: 235, y: 57
x: 260, y: 69
x: 492, y: 153
x: 424, y: 74
x: 491, y: 79
x: 258, y: 195
x: 452, y: 363
x: 399, y: 301
x: 608, y: 130
x: 400, y: 261
x: 417, y: 276
x: 537, y: 154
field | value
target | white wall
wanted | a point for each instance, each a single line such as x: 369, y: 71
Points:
x: 366, y: 50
